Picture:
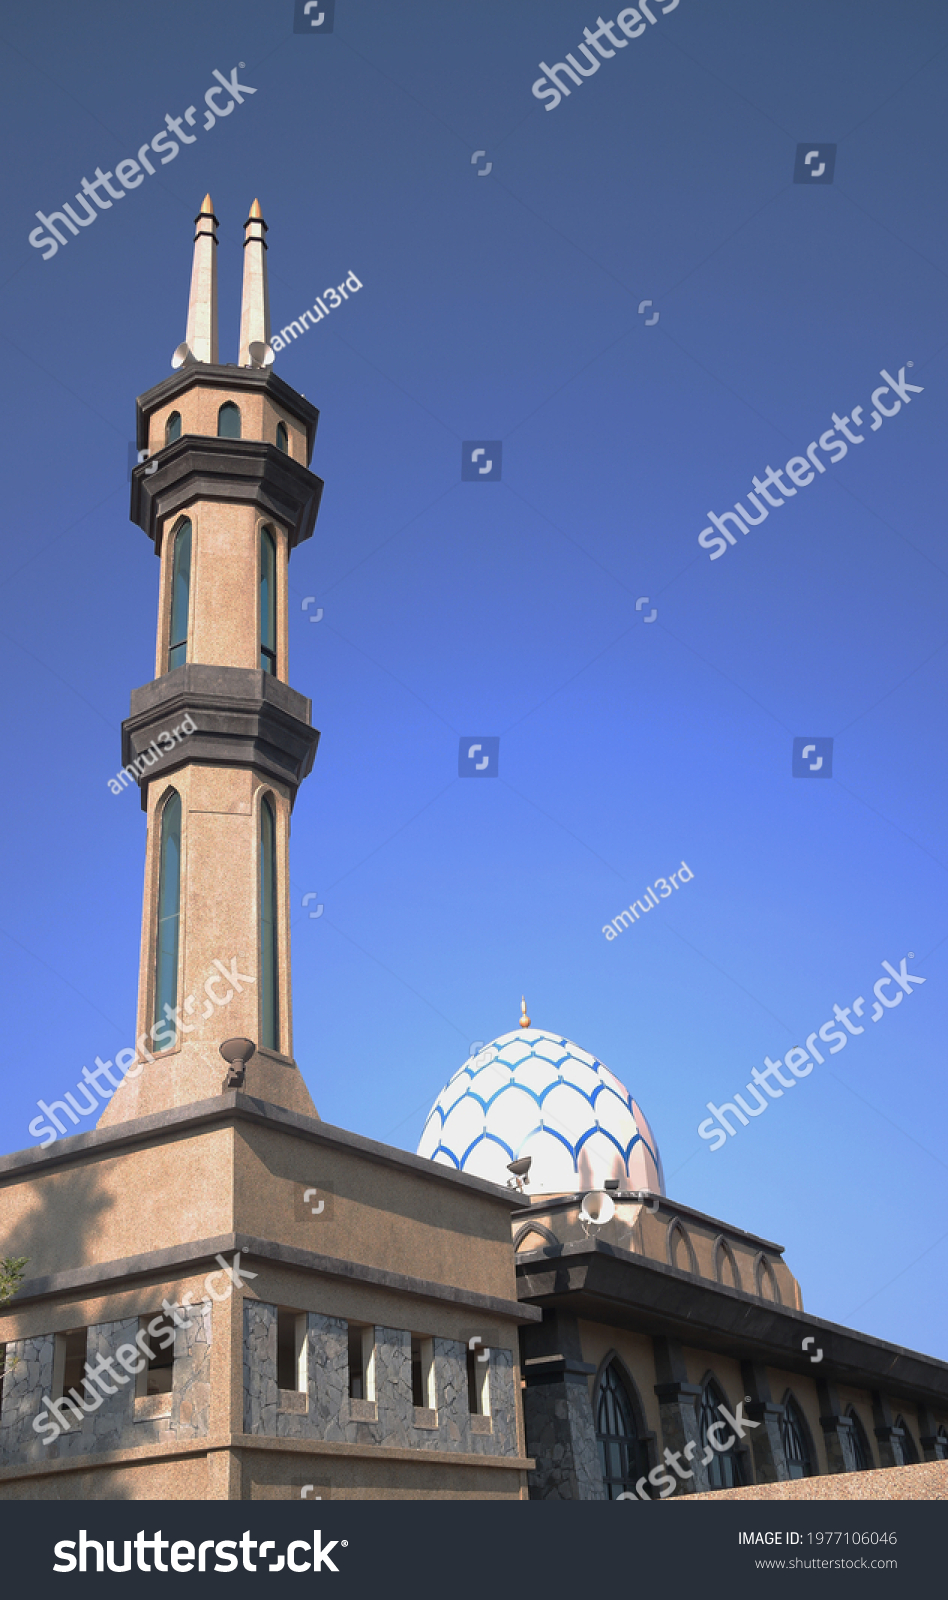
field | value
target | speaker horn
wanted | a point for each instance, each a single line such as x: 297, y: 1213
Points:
x: 597, y: 1208
x: 182, y: 356
x: 260, y: 354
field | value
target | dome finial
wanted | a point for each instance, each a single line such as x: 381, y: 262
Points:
x: 524, y: 1019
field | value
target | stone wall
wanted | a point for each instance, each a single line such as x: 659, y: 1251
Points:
x: 326, y: 1413
x: 561, y: 1436
x: 111, y: 1421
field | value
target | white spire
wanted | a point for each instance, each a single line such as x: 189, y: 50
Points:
x: 201, y: 336
x: 255, y: 298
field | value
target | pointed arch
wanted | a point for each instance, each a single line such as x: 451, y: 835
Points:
x: 268, y: 601
x: 798, y: 1447
x: 620, y: 1427
x: 282, y: 438
x: 180, y: 607
x: 765, y: 1280
x: 862, y: 1449
x: 679, y: 1249
x: 727, y: 1468
x: 906, y: 1443
x: 173, y: 427
x: 269, y: 925
x: 726, y: 1270
x: 540, y: 1231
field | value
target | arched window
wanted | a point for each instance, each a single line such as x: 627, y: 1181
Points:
x: 228, y: 421
x: 283, y: 438
x: 269, y: 951
x: 268, y: 601
x: 180, y: 596
x: 796, y: 1440
x: 909, y: 1452
x: 169, y: 914
x: 862, y: 1454
x: 622, y: 1453
x: 725, y: 1469
x: 173, y: 427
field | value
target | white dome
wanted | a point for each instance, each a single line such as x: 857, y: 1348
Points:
x: 532, y: 1093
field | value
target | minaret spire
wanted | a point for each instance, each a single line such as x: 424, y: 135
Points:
x: 255, y: 299
x: 201, y: 336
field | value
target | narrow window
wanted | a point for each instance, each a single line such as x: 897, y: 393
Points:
x: 796, y: 1448
x: 862, y: 1454
x: 69, y: 1362
x: 291, y: 1350
x: 228, y: 421
x: 941, y: 1445
x: 269, y: 954
x: 478, y: 1383
x: 422, y: 1372
x: 267, y: 601
x: 158, y: 1376
x: 180, y: 596
x: 725, y: 1468
x: 622, y: 1454
x: 173, y: 427
x: 283, y: 438
x: 361, y: 1362
x: 169, y: 907
x: 906, y: 1443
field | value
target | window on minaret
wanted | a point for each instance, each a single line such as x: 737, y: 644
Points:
x: 283, y: 438
x: 269, y: 954
x: 267, y: 601
x: 173, y: 427
x: 180, y: 597
x: 169, y: 907
x: 228, y: 421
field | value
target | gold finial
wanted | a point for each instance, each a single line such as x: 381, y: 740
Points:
x: 207, y: 208
x: 524, y: 1019
x: 255, y: 211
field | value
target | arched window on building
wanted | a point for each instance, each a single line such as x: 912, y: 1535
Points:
x: 269, y: 943
x: 862, y: 1454
x: 283, y: 438
x: 169, y: 916
x: 909, y: 1452
x: 228, y: 421
x: 726, y: 1467
x: 679, y: 1249
x: 173, y: 427
x: 796, y: 1440
x: 268, y: 601
x: 766, y: 1280
x: 622, y: 1453
x: 180, y: 597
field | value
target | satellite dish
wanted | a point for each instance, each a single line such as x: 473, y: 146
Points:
x: 182, y: 356
x: 260, y: 354
x: 597, y: 1208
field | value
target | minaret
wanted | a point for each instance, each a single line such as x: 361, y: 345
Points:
x: 219, y: 740
x: 255, y: 299
x: 201, y: 335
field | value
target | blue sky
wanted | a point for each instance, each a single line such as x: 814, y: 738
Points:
x: 505, y: 306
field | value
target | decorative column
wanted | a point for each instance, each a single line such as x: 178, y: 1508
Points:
x: 770, y: 1462
x: 837, y: 1429
x: 677, y: 1405
x: 557, y: 1413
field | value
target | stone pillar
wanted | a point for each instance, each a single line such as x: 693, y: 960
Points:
x: 770, y: 1462
x: 837, y: 1429
x: 677, y: 1405
x: 888, y: 1436
x: 557, y: 1412
x: 927, y: 1434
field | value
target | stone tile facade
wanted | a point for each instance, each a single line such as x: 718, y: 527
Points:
x: 390, y: 1420
x: 119, y: 1420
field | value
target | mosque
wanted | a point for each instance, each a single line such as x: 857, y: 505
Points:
x: 227, y: 1298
